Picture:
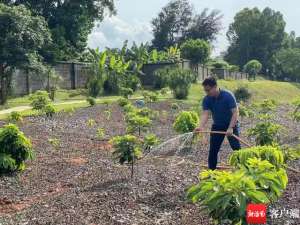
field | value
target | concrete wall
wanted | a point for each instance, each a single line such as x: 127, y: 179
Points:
x: 75, y: 75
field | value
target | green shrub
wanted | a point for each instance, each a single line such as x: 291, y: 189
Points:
x: 253, y: 67
x: 234, y: 68
x: 267, y: 177
x: 175, y: 106
x: 15, y: 117
x: 161, y: 77
x: 129, y: 108
x: 126, y: 149
x: 39, y: 100
x: 225, y: 195
x: 164, y: 91
x: 242, y: 94
x: 220, y: 65
x: 196, y: 50
x: 271, y: 153
x: 258, y: 177
x: 186, y: 121
x: 150, y: 96
x: 49, y: 110
x: 296, y: 113
x: 15, y: 149
x: 100, y: 133
x: 245, y: 111
x: 149, y: 141
x: 265, y: 133
x: 54, y: 142
x: 137, y: 123
x: 91, y: 101
x: 95, y: 87
x: 126, y: 92
x: 123, y: 101
x: 266, y: 106
x: 180, y: 82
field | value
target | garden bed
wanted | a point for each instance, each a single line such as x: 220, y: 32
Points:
x: 79, y: 183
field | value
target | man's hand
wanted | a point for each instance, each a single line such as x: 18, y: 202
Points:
x: 229, y: 132
x: 198, y: 130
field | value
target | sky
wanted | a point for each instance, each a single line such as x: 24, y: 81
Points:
x: 133, y: 20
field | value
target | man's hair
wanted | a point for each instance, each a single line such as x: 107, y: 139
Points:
x: 209, y: 81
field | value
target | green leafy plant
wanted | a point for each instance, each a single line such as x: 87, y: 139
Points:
x: 126, y: 150
x: 242, y: 94
x: 186, y: 121
x: 245, y: 111
x: 180, y: 82
x: 253, y: 67
x: 149, y: 141
x: 55, y: 142
x: 290, y: 153
x: 100, y: 133
x: 123, y: 101
x: 225, y: 195
x: 107, y: 114
x: 267, y: 177
x: 266, y: 106
x: 126, y: 92
x: 49, y: 110
x: 164, y: 91
x: 91, y: 101
x: 265, y: 133
x: 271, y: 153
x: 161, y: 77
x: 258, y: 177
x: 91, y: 122
x: 175, y: 106
x: 39, y: 100
x: 137, y: 123
x: 15, y: 117
x: 15, y: 149
x: 296, y: 112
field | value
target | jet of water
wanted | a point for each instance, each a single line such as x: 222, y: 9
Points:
x: 173, y: 145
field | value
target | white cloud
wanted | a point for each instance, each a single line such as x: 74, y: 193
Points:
x: 113, y: 31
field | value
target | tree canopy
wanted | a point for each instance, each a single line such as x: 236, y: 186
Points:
x: 70, y: 23
x: 177, y: 22
x: 255, y: 34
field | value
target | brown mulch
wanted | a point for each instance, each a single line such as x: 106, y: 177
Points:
x: 79, y: 182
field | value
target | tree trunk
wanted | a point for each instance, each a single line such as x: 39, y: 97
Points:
x: 2, y: 86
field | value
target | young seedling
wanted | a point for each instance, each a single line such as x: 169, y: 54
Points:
x: 91, y: 122
x: 54, y: 142
x: 127, y: 150
x: 100, y: 133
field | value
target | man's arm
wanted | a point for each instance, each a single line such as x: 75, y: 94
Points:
x: 204, y: 119
x: 233, y: 121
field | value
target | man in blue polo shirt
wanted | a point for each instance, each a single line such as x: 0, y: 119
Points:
x: 223, y: 107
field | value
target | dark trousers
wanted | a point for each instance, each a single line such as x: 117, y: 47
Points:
x: 216, y: 141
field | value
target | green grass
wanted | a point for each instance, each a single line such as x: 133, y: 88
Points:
x: 282, y: 92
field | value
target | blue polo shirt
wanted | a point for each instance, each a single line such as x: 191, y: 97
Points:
x: 220, y: 107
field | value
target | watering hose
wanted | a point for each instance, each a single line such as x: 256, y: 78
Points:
x: 242, y: 141
x: 223, y: 132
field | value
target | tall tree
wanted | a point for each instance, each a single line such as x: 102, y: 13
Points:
x: 177, y: 23
x: 205, y: 26
x: 171, y: 23
x: 22, y: 36
x: 70, y: 23
x: 255, y: 35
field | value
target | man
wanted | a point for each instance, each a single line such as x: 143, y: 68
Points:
x: 222, y: 105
